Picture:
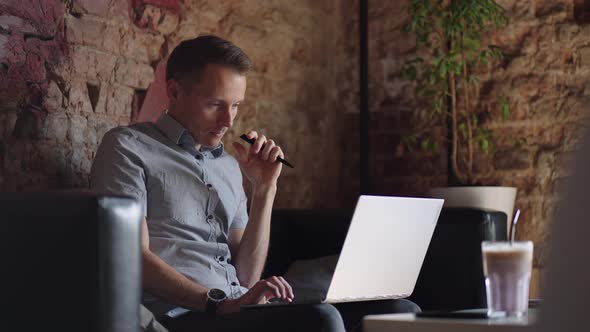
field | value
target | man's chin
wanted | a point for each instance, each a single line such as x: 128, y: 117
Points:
x: 211, y: 143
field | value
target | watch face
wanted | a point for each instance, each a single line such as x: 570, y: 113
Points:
x: 216, y: 294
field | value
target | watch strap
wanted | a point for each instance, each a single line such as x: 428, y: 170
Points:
x: 211, y: 307
x: 213, y: 301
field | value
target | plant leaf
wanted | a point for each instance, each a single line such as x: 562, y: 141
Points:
x: 424, y: 144
x: 471, y: 44
x: 505, y: 108
x: 411, y: 73
x: 435, y: 147
x: 485, y: 145
x: 463, y: 129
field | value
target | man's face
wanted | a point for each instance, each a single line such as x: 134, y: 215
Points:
x: 208, y: 107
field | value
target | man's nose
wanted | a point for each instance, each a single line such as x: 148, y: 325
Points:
x: 226, y: 118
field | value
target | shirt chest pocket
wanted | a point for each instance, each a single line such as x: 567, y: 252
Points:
x: 183, y: 199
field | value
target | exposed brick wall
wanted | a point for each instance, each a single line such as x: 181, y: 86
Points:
x: 72, y: 70
x: 99, y: 59
x: 546, y: 80
x: 31, y: 122
x: 393, y: 170
x: 293, y: 92
x: 84, y: 74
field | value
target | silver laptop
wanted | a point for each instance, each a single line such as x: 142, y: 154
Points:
x: 384, y: 249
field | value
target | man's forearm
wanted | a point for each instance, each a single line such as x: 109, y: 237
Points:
x: 253, y: 247
x: 162, y: 280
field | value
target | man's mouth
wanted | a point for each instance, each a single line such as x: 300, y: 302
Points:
x: 218, y: 133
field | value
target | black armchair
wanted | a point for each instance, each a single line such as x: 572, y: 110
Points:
x: 72, y: 262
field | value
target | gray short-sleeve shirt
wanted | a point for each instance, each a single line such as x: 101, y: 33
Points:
x: 191, y: 199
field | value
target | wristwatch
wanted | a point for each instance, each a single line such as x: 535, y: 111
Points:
x: 215, y: 297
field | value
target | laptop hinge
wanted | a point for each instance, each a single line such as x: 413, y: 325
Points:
x: 368, y: 298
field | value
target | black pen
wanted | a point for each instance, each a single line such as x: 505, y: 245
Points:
x: 252, y: 140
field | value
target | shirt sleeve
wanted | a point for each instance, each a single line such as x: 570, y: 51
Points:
x: 241, y: 219
x: 118, y: 168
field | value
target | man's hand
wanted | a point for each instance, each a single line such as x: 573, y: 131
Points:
x: 260, y: 163
x: 262, y: 291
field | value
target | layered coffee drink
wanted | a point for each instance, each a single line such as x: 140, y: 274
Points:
x: 507, y: 270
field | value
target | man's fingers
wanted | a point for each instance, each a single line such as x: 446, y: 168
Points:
x: 275, y: 153
x: 255, y: 294
x: 273, y: 287
x: 242, y: 154
x: 267, y: 149
x: 282, y: 289
x: 290, y: 294
x: 272, y: 290
x: 258, y: 293
x: 252, y: 134
x: 257, y: 146
x: 264, y: 148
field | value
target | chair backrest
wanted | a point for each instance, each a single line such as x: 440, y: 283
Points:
x: 452, y: 274
x: 71, y: 261
x: 301, y: 234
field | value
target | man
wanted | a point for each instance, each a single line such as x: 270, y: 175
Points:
x: 201, y: 251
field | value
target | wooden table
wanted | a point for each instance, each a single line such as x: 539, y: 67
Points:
x: 411, y: 323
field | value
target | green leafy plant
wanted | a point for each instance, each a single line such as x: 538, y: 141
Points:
x: 450, y: 33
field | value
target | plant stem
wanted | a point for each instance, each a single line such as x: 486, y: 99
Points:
x: 467, y: 112
x: 453, y: 91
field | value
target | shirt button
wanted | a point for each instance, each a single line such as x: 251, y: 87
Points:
x: 233, y: 283
x: 210, y: 217
x: 221, y: 258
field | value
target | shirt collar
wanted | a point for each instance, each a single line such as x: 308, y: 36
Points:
x: 175, y: 131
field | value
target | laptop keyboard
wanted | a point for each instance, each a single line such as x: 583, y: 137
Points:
x: 368, y: 298
x: 274, y: 304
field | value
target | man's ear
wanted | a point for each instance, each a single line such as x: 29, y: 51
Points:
x: 173, y: 90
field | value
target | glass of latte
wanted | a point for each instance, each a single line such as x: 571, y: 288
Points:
x: 507, y: 269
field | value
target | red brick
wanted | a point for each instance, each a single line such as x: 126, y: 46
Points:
x: 525, y: 183
x: 85, y: 31
x: 535, y: 135
x: 514, y: 159
x: 170, y: 4
x: 548, y: 7
x: 93, y: 7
